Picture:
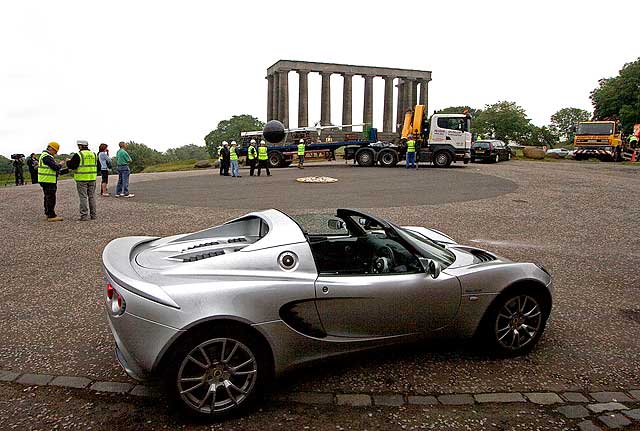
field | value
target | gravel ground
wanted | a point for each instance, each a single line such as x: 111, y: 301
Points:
x: 576, y: 218
x: 38, y: 408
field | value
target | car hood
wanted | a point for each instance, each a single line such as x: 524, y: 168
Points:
x: 466, y: 256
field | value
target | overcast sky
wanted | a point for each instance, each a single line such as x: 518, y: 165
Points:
x: 165, y: 73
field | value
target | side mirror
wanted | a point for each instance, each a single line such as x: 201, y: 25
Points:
x: 335, y: 224
x: 431, y: 267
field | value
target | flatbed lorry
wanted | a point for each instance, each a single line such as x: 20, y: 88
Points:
x: 444, y: 139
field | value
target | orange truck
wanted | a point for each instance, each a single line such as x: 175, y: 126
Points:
x: 598, y: 139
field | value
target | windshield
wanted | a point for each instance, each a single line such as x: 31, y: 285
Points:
x: 426, y: 247
x: 595, y: 129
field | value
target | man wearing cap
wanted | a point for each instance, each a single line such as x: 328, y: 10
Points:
x: 48, y: 171
x: 263, y: 158
x: 301, y: 148
x: 252, y: 156
x: 85, y: 164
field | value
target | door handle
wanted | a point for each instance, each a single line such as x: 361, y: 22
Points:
x: 325, y: 289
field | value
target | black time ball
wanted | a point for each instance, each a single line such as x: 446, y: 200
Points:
x: 273, y: 132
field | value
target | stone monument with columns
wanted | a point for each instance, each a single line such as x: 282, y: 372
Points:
x: 413, y: 87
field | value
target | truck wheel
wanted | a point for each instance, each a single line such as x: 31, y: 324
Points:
x: 275, y: 159
x: 388, y: 159
x: 442, y: 159
x: 365, y: 158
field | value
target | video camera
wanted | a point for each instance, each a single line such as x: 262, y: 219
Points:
x: 17, y: 156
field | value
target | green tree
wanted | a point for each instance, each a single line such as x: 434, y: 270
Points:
x: 563, y: 122
x: 5, y: 165
x: 541, y: 136
x: 186, y: 152
x: 460, y: 110
x: 143, y: 156
x: 503, y: 120
x: 229, y: 130
x: 618, y: 98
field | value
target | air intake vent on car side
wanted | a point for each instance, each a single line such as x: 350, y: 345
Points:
x: 482, y: 256
x: 193, y: 258
x: 204, y: 244
x: 236, y: 240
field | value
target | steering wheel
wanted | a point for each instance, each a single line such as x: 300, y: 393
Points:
x: 384, y: 261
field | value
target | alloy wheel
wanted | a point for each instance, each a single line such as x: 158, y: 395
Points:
x: 217, y: 375
x: 518, y: 322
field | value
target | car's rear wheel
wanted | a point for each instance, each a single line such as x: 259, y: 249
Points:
x: 509, y: 156
x: 496, y: 158
x: 217, y: 373
x: 515, y: 323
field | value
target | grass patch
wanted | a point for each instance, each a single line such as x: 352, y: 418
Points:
x: 182, y: 165
x: 10, y: 179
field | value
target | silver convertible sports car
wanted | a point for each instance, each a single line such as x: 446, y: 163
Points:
x: 216, y: 314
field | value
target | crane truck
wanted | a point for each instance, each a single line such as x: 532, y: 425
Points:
x: 444, y: 139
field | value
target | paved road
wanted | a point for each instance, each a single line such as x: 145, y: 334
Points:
x: 356, y: 187
x: 576, y: 218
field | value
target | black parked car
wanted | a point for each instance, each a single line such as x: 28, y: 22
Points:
x: 490, y: 150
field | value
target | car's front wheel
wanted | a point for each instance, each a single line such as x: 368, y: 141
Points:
x: 515, y: 323
x: 217, y: 373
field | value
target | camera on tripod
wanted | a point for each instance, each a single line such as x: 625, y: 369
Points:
x: 17, y: 156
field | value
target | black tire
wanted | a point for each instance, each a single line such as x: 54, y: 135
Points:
x: 388, y: 159
x: 236, y: 390
x: 496, y: 159
x: 442, y: 159
x: 509, y: 156
x: 276, y: 159
x: 497, y: 331
x: 365, y: 158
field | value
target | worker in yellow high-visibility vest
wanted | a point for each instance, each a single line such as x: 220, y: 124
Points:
x: 48, y: 171
x: 85, y: 164
x: 252, y: 156
x: 263, y: 158
x: 411, y: 152
x: 301, y: 148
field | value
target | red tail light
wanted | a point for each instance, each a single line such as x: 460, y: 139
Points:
x: 110, y: 291
x: 119, y: 301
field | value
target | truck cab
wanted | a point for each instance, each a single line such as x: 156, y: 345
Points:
x: 599, y: 139
x: 450, y: 132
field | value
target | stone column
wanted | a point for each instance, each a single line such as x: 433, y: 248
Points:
x: 275, y: 107
x: 325, y: 99
x: 367, y: 112
x: 269, y: 97
x: 303, y: 98
x: 347, y: 96
x: 387, y: 120
x: 424, y: 95
x: 408, y: 94
x: 399, y: 108
x: 414, y: 93
x: 283, y: 100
